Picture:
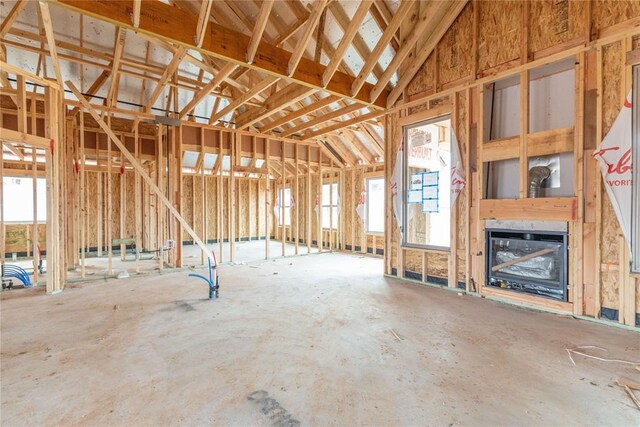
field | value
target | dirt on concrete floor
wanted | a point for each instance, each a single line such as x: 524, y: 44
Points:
x: 313, y: 340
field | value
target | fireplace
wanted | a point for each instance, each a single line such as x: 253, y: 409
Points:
x: 528, y: 261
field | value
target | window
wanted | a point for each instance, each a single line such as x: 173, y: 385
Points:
x: 285, y: 198
x: 330, y: 204
x: 427, y: 173
x: 635, y: 215
x: 18, y: 199
x: 375, y: 205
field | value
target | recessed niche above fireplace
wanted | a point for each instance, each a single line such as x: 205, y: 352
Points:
x: 528, y: 260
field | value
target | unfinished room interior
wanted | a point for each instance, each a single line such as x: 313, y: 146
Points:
x: 320, y: 212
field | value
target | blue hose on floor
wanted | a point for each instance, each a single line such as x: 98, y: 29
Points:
x: 17, y: 272
x: 211, y: 281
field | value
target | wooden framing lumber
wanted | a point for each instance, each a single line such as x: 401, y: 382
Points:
x: 11, y: 17
x: 280, y: 100
x: 425, y: 21
x: 410, y: 71
x: 203, y: 20
x: 337, y: 113
x: 303, y: 41
x: 387, y: 35
x: 255, y: 90
x: 138, y: 168
x: 313, y: 106
x: 346, y: 40
x: 51, y: 40
x: 199, y: 95
x: 176, y: 25
x: 168, y: 73
x: 258, y: 29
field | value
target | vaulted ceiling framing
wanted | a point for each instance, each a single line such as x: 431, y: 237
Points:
x: 322, y: 69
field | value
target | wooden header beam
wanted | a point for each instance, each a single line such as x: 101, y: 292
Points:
x: 176, y: 25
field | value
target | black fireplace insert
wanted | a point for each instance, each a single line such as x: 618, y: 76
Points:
x: 533, y: 262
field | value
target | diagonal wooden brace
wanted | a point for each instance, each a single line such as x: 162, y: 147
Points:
x: 139, y: 169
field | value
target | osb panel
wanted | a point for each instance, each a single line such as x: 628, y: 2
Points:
x: 606, y: 13
x: 252, y: 213
x: 455, y: 58
x: 358, y: 184
x: 226, y: 209
x: 463, y: 141
x: 314, y: 215
x: 611, y: 103
x: 438, y: 265
x: 425, y: 79
x: 211, y: 207
x: 18, y: 238
x: 91, y: 203
x: 393, y: 142
x: 187, y: 195
x: 262, y: 186
x: 242, y: 206
x: 554, y: 22
x: 498, y: 33
x: 130, y: 197
x: 197, y: 204
x: 115, y: 206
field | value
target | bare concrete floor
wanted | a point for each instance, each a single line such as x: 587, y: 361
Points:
x: 306, y: 340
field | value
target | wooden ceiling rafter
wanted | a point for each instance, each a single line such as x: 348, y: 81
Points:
x: 200, y: 95
x: 118, y: 50
x: 11, y: 17
x: 51, y: 41
x: 219, y: 41
x: 338, y: 112
x: 402, y: 12
x: 314, y: 106
x: 307, y: 32
x: 258, y: 29
x: 346, y: 41
x: 241, y: 100
x: 343, y: 124
x: 455, y: 8
x: 382, y: 15
x: 361, y: 47
x: 171, y: 68
x: 203, y: 20
x: 425, y: 21
x: 280, y: 100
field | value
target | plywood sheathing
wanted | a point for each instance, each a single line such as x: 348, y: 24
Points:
x: 499, y: 35
x: 506, y: 40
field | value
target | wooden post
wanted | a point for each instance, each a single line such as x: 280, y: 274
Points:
x: 232, y: 196
x: 83, y: 201
x: 267, y: 200
x: 524, y: 130
x: 123, y: 206
x: 159, y: 211
x: 363, y: 235
x: 467, y: 190
x: 137, y: 197
x: 331, y: 206
x: 220, y: 201
x: 203, y: 197
x: 283, y: 231
x: 297, y: 235
x: 320, y: 202
x: 309, y: 199
x: 598, y: 203
x: 453, y: 229
x: 109, y: 206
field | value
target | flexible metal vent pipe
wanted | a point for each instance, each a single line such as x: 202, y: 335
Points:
x: 537, y: 175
